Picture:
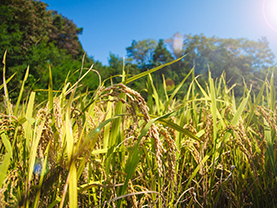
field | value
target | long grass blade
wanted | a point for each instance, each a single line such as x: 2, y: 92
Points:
x: 34, y: 147
x: 133, y: 158
x: 7, y: 81
x: 50, y: 90
x: 177, y: 89
x: 30, y: 120
x: 269, y: 145
x: 7, y: 157
x: 131, y: 79
x: 196, y: 170
x: 6, y: 92
x: 176, y: 127
x: 21, y: 91
x: 90, y: 137
x: 73, y: 193
x: 159, y: 106
x: 256, y: 102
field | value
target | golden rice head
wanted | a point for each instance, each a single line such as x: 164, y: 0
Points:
x: 158, y: 147
x: 245, y: 139
x: 99, y: 115
x: 137, y: 100
x: 10, y: 183
x: 57, y: 112
x: 132, y: 198
x: 145, y: 197
x: 208, y: 126
x: 269, y: 116
x: 47, y: 136
x: 171, y: 150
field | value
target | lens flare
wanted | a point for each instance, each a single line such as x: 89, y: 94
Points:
x: 269, y: 8
x: 170, y: 84
x: 38, y: 167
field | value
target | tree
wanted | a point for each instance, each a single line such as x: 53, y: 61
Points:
x: 239, y: 58
x: 142, y: 52
x: 65, y: 35
x: 161, y: 56
x: 38, y: 37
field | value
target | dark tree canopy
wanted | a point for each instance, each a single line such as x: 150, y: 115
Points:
x: 35, y: 36
x: 65, y: 35
x: 33, y: 23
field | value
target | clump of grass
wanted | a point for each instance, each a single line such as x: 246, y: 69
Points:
x: 111, y: 148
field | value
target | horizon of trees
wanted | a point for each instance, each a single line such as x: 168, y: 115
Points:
x: 35, y: 36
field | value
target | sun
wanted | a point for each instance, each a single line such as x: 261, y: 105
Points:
x: 270, y: 13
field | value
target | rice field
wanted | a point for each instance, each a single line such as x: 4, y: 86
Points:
x: 105, y: 148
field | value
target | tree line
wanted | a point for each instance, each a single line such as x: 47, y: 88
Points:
x: 37, y: 37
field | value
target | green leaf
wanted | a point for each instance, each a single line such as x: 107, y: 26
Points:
x: 6, y: 161
x: 29, y: 116
x: 90, y: 136
x: 7, y: 81
x: 131, y: 79
x: 176, y: 127
x: 177, y: 89
x: 133, y: 158
x: 196, y: 170
x: 213, y: 107
x: 73, y: 193
x: 34, y: 147
x: 256, y: 102
x: 21, y: 91
x: 240, y: 110
x: 155, y: 94
x: 50, y: 90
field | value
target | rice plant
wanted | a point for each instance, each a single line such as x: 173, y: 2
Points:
x: 105, y: 148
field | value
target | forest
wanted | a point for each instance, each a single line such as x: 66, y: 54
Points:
x: 169, y: 125
x: 39, y: 38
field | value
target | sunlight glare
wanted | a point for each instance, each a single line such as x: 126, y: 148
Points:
x: 270, y: 13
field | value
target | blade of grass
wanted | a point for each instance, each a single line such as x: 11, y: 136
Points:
x: 235, y: 119
x: 155, y: 95
x: 30, y: 120
x: 197, y: 169
x: 115, y: 136
x: 164, y: 86
x: 269, y: 145
x: 177, y: 89
x: 43, y: 172
x: 107, y: 128
x: 213, y: 109
x: 69, y: 136
x: 175, y: 127
x: 7, y: 157
x: 73, y: 192
x: 256, y: 102
x: 34, y: 146
x: 21, y: 91
x: 7, y: 81
x: 6, y: 92
x: 131, y: 79
x: 90, y: 137
x: 133, y: 158
x: 50, y: 90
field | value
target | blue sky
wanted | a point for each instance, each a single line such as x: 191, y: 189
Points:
x: 111, y: 25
